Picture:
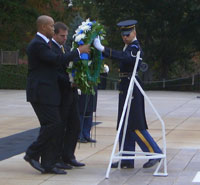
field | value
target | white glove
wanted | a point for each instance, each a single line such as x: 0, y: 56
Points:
x: 79, y: 91
x: 106, y: 68
x: 97, y: 44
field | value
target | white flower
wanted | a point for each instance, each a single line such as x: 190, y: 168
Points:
x: 79, y: 37
x: 79, y: 28
x: 74, y: 35
x: 71, y: 78
x: 106, y: 68
x: 72, y: 46
x: 89, y: 62
x: 85, y: 22
x: 101, y: 37
x: 88, y: 20
x: 77, y: 31
x: 83, y: 28
x: 70, y: 64
x: 86, y: 28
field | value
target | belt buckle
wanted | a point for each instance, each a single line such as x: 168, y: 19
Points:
x: 122, y: 75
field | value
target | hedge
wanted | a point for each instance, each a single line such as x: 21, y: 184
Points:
x: 13, y: 76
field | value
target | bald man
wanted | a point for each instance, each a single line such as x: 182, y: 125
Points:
x: 44, y: 95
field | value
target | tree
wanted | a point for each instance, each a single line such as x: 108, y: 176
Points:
x: 168, y: 29
x: 18, y: 17
x: 14, y: 16
x: 73, y: 26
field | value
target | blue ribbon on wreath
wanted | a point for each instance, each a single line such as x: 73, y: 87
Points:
x: 73, y: 72
x: 80, y: 43
x: 83, y: 56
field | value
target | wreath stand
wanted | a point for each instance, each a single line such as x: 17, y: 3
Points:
x: 136, y: 154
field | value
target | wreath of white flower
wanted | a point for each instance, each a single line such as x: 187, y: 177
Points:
x: 85, y: 73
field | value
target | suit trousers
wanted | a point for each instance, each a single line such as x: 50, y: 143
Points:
x: 71, y: 123
x: 46, y: 144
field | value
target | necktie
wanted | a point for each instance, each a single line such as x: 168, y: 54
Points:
x: 62, y: 48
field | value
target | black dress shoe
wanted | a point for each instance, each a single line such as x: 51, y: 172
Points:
x: 150, y: 163
x: 123, y: 165
x: 75, y: 163
x: 90, y: 140
x: 35, y: 164
x: 56, y: 170
x: 82, y: 140
x: 114, y: 165
x: 62, y: 165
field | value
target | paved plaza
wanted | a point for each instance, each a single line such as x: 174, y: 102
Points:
x: 179, y: 110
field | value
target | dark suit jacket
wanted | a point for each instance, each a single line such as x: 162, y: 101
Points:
x: 42, y: 81
x: 62, y: 74
x: 68, y: 110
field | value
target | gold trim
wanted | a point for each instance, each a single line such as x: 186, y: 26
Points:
x: 144, y: 140
x: 127, y: 27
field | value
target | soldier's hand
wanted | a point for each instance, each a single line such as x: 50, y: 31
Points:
x: 84, y: 48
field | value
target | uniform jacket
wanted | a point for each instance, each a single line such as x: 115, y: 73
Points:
x: 42, y: 80
x: 127, y: 59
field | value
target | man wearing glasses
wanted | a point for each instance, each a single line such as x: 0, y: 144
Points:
x: 137, y: 125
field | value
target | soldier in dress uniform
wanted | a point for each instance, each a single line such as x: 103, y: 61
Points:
x: 137, y: 125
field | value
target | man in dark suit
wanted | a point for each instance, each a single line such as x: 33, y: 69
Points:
x: 69, y: 101
x: 44, y: 95
x: 137, y: 125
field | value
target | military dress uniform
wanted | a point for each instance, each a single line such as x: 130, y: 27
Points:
x: 87, y: 105
x: 137, y: 125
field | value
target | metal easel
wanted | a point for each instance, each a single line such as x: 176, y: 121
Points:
x: 137, y: 154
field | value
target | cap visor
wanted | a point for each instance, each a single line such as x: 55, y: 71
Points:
x: 126, y: 32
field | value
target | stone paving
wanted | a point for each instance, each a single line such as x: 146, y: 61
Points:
x: 179, y: 110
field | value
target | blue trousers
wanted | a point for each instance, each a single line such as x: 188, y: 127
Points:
x: 142, y: 138
x: 86, y: 125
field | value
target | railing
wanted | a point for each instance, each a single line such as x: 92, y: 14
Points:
x: 9, y: 57
x: 189, y: 83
